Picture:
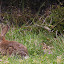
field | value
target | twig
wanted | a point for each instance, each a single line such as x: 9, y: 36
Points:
x: 58, y: 22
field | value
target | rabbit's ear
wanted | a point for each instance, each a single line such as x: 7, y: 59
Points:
x: 4, y: 30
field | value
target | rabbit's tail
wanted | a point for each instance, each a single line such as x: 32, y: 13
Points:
x: 26, y: 57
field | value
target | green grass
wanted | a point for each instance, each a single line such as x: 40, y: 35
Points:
x: 36, y: 54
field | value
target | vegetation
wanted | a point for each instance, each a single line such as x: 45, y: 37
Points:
x: 37, y: 24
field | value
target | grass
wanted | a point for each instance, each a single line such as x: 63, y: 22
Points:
x: 36, y: 54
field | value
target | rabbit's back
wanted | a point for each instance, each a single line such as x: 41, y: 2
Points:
x: 17, y: 48
x: 12, y: 47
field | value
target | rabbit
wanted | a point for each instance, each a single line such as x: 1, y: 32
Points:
x: 11, y: 47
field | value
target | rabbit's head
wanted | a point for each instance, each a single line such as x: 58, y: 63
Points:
x: 4, y: 30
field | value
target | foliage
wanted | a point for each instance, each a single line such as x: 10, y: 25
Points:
x: 58, y: 18
x: 17, y: 17
x: 52, y: 18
